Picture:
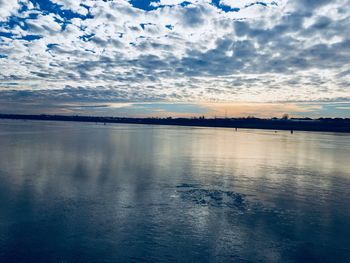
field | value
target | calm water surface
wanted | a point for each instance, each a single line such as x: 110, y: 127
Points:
x: 77, y: 192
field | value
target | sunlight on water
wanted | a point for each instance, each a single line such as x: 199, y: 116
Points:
x: 80, y: 192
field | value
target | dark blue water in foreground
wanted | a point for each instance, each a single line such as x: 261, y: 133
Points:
x: 75, y: 192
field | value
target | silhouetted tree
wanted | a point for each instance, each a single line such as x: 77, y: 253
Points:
x: 285, y: 116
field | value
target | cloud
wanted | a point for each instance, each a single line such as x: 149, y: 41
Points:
x: 8, y: 8
x: 200, y: 51
x: 80, y: 7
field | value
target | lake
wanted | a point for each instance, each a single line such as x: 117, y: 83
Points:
x: 86, y: 192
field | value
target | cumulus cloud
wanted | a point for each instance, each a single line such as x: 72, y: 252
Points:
x: 8, y: 8
x: 194, y: 51
x: 73, y: 5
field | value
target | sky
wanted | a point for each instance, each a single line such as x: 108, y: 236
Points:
x: 141, y: 58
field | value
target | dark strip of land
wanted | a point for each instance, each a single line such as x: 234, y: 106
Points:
x: 294, y: 124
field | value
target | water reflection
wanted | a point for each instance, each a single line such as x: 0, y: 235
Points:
x: 76, y: 192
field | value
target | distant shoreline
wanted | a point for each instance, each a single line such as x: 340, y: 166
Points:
x: 295, y: 124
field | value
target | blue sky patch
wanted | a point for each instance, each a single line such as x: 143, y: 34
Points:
x: 224, y: 8
x: 143, y: 4
x: 30, y: 37
x: 46, y: 6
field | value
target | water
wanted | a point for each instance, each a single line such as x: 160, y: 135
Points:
x: 84, y: 192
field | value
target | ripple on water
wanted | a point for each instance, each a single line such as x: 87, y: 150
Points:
x: 212, y: 197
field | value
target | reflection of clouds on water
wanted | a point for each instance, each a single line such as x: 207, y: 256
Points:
x: 172, y: 193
